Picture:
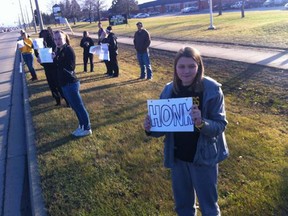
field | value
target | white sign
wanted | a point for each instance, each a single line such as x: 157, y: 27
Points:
x: 101, y: 50
x: 20, y: 44
x: 45, y: 55
x: 95, y: 50
x: 171, y: 115
x: 38, y: 43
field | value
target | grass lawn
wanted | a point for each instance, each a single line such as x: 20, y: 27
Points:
x: 118, y: 170
x: 268, y: 28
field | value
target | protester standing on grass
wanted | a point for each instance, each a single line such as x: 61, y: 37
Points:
x: 113, y: 68
x: 51, y: 68
x: 28, y: 56
x: 65, y: 60
x: 86, y: 43
x: 100, y: 32
x: 142, y: 42
x: 193, y: 157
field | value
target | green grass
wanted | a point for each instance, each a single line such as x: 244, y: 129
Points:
x: 119, y: 170
x: 267, y: 28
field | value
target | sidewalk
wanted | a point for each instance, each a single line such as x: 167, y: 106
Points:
x: 261, y: 56
x: 277, y: 58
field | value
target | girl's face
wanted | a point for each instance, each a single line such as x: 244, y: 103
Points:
x: 186, y: 69
x: 59, y: 39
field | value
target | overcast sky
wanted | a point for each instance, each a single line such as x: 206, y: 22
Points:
x: 10, y: 9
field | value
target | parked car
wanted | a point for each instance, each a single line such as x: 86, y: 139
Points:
x: 141, y: 15
x: 189, y: 9
x: 237, y: 5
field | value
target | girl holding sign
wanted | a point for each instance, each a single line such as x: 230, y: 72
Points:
x: 193, y: 157
x: 65, y: 60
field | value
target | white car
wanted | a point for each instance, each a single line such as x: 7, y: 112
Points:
x: 141, y: 15
x: 189, y: 9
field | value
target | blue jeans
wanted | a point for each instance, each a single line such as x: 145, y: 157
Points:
x: 72, y: 94
x: 144, y: 62
x: 28, y: 59
x: 188, y: 179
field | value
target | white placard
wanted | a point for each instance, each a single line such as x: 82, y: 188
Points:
x: 95, y: 50
x: 45, y: 55
x: 171, y: 115
x: 38, y: 43
x: 20, y: 44
x: 101, y: 50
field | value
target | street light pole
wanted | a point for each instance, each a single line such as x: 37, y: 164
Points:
x: 22, y: 16
x: 211, y: 27
x: 34, y: 22
x: 39, y: 15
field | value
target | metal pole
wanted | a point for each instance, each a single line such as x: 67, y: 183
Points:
x: 34, y: 22
x: 39, y: 16
x: 211, y: 27
x: 22, y: 16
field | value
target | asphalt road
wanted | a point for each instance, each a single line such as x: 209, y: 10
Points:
x: 14, y: 190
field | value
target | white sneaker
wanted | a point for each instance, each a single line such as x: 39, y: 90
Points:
x: 82, y: 133
x: 77, y: 130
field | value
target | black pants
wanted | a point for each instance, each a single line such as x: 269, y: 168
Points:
x: 85, y: 60
x: 112, y: 66
x: 51, y: 76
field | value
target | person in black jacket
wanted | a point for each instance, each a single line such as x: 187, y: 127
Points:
x: 50, y: 68
x: 65, y: 60
x: 142, y: 41
x: 113, y: 68
x: 86, y: 43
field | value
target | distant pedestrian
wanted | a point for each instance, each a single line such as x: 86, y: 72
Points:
x: 51, y: 68
x: 113, y: 68
x: 142, y: 41
x: 86, y: 43
x: 100, y: 33
x: 28, y: 54
x: 65, y: 60
x: 103, y: 40
x: 193, y: 157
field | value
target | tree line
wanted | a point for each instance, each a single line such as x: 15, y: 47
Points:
x: 90, y: 10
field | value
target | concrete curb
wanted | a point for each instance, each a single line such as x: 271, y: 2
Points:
x: 36, y: 198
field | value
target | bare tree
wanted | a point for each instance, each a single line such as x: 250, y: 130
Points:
x: 75, y: 11
x: 123, y: 6
x: 89, y: 6
x: 99, y: 6
x: 242, y: 9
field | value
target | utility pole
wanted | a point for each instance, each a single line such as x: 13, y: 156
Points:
x: 211, y: 27
x: 39, y: 15
x: 33, y: 17
x: 22, y: 16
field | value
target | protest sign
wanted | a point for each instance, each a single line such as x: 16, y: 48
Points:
x: 45, y: 55
x: 171, y: 115
x: 38, y: 43
x: 20, y: 44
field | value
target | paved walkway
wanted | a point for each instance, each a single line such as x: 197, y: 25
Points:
x: 277, y: 58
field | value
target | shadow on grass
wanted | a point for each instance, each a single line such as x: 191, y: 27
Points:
x: 112, y: 85
x: 47, y: 147
x: 283, y: 206
x: 232, y: 85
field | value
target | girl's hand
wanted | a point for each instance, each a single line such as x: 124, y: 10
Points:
x: 147, y: 123
x: 196, y: 115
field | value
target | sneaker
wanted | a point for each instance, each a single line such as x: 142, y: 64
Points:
x: 150, y: 78
x: 82, y: 133
x: 77, y: 130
